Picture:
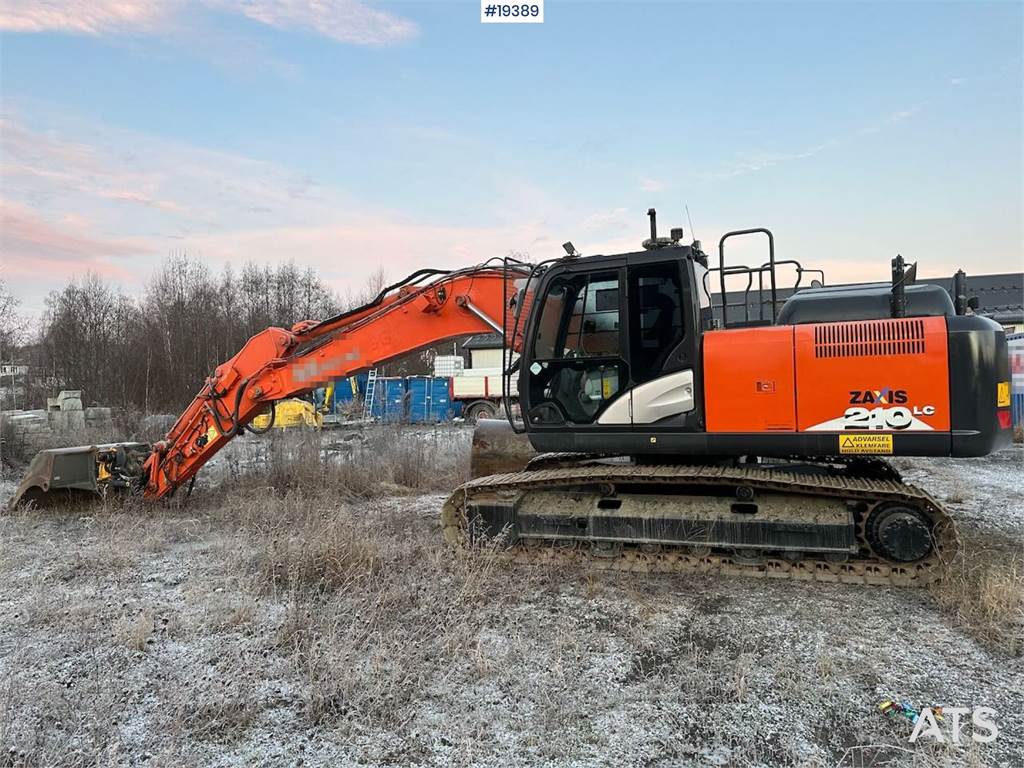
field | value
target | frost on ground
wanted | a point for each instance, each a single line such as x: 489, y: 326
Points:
x: 301, y: 608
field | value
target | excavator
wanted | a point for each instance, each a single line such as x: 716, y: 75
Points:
x: 659, y: 425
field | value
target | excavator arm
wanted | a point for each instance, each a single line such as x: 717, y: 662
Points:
x: 427, y: 307
x: 278, y: 363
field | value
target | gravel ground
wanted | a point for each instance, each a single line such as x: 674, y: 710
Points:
x: 154, y: 636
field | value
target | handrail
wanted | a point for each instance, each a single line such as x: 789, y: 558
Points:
x: 770, y: 268
x: 722, y: 272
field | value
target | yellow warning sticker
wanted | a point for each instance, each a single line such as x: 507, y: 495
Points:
x: 865, y: 443
x: 1002, y: 394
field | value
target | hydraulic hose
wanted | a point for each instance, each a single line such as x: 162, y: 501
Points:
x: 270, y: 424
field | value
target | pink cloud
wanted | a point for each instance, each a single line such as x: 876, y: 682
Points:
x: 346, y: 252
x: 91, y: 17
x: 347, y: 21
x: 43, y: 164
x: 35, y: 247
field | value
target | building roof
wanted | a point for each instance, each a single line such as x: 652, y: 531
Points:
x: 484, y: 341
x: 1000, y: 297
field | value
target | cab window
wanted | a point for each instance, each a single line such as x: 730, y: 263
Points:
x: 577, y: 368
x: 656, y: 317
x: 580, y: 318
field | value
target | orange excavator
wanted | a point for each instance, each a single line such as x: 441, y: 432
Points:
x: 655, y: 428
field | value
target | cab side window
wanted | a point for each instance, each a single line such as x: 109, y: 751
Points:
x: 656, y: 317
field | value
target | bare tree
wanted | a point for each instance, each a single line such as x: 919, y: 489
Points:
x: 374, y: 283
x: 90, y: 332
x: 12, y: 324
x: 12, y: 336
x: 153, y: 353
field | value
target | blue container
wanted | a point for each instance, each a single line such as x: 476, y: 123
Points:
x: 389, y: 399
x: 361, y: 383
x: 1017, y: 403
x: 342, y: 394
x: 429, y: 399
x: 344, y: 390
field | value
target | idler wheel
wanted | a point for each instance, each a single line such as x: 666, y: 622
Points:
x: 899, y: 533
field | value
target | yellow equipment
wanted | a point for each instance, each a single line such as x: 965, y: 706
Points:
x: 291, y: 413
x: 328, y: 397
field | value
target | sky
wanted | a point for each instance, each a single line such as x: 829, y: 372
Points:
x: 351, y: 134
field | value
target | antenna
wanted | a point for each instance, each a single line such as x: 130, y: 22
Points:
x: 693, y: 232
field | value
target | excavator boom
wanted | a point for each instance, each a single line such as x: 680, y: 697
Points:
x: 277, y: 363
x: 427, y: 307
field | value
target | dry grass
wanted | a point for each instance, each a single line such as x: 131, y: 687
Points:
x: 958, y: 493
x: 135, y: 632
x: 373, y: 600
x: 984, y: 592
x: 221, y: 717
x: 314, y: 550
x: 370, y: 601
x: 381, y: 461
x: 311, y: 603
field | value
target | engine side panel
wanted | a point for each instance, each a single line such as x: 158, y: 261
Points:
x: 873, y: 376
x: 749, y: 380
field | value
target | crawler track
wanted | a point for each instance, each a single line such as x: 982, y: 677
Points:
x: 863, y: 568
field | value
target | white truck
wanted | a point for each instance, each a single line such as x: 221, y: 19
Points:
x: 478, y: 386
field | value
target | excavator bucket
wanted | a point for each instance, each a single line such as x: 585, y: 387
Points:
x: 497, y: 449
x: 61, y: 475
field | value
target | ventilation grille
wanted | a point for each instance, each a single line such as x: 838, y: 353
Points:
x: 879, y: 337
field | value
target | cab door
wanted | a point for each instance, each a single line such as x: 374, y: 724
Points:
x: 577, y: 354
x: 661, y: 337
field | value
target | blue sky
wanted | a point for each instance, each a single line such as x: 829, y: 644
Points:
x: 348, y: 134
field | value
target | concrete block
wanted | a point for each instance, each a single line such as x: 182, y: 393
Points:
x: 67, y: 421
x: 99, y: 417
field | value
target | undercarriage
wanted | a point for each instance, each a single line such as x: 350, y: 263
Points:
x: 851, y: 522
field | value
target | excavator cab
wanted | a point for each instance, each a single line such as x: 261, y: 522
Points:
x: 614, y: 341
